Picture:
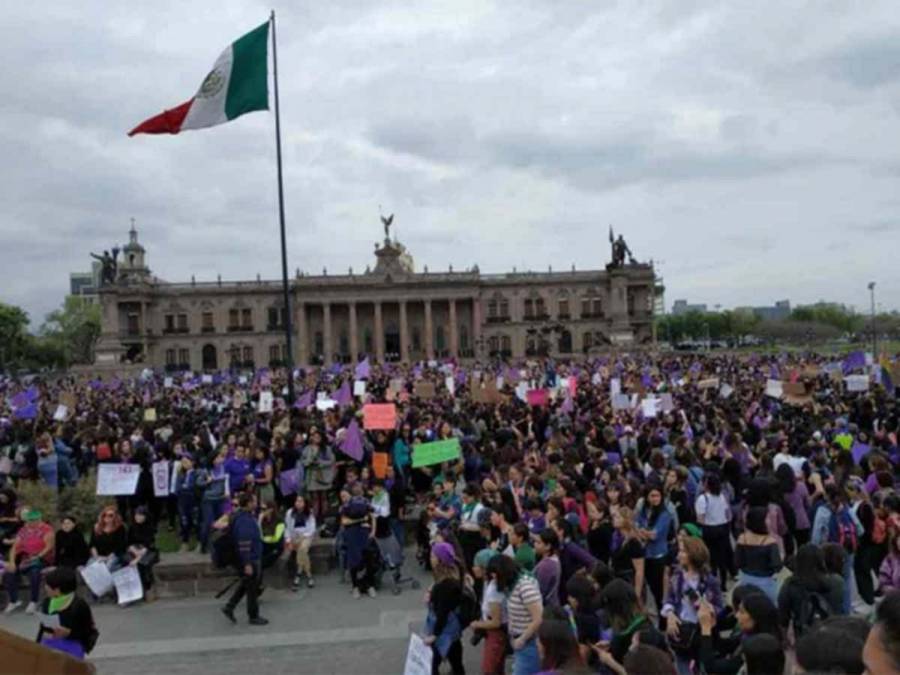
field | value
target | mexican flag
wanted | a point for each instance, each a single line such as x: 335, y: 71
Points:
x: 237, y: 84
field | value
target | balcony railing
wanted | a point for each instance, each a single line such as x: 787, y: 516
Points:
x: 240, y: 329
x: 208, y: 329
x: 498, y: 319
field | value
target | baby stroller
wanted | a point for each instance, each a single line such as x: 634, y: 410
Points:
x: 386, y: 556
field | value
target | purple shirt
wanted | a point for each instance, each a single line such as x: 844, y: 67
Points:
x: 798, y: 501
x: 237, y: 470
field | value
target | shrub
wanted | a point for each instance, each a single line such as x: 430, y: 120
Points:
x: 80, y: 500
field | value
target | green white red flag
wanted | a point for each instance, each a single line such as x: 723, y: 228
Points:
x: 237, y: 84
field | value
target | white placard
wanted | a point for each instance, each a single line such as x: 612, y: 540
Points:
x: 265, y: 401
x: 620, y: 401
x: 117, y: 479
x: 857, y: 382
x: 359, y: 388
x: 499, y: 382
x: 450, y: 383
x: 160, y: 479
x: 61, y: 413
x: 726, y: 390
x: 522, y: 391
x: 418, y: 657
x: 432, y: 363
x: 242, y: 379
x: 596, y: 379
x: 97, y: 577
x: 615, y: 386
x: 324, y: 404
x: 649, y: 407
x: 774, y: 388
x: 206, y: 379
x: 168, y: 382
x: 128, y: 584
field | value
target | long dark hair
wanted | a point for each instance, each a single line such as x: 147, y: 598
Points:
x: 505, y: 570
x: 809, y: 566
x: 787, y: 479
x: 620, y: 601
x: 764, y: 614
x: 558, y: 642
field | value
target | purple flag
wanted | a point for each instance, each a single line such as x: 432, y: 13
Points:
x: 647, y: 380
x: 853, y: 361
x: 344, y: 396
x: 29, y: 412
x: 567, y: 406
x: 95, y: 384
x: 859, y: 450
x: 304, y: 401
x: 362, y: 369
x: 19, y: 401
x: 287, y: 481
x: 32, y: 393
x: 352, y: 443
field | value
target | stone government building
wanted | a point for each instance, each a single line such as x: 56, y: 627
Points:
x: 390, y: 313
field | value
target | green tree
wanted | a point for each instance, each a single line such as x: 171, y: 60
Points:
x: 13, y: 335
x: 73, y: 330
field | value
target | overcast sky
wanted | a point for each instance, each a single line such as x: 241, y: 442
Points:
x: 751, y: 149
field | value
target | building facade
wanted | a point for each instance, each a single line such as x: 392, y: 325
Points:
x: 390, y: 313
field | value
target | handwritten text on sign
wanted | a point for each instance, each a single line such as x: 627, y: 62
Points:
x: 379, y: 416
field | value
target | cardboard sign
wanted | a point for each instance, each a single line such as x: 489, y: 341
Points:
x: 266, y: 401
x: 150, y: 414
x: 380, y: 464
x: 418, y: 657
x: 68, y: 399
x: 793, y: 388
x: 424, y: 390
x: 117, y: 479
x: 397, y: 385
x: 538, y: 398
x: 427, y: 454
x: 857, y: 382
x: 774, y: 388
x: 359, y: 388
x: 380, y: 416
x: 709, y: 383
x: 160, y: 479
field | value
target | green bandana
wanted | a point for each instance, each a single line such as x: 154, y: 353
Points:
x: 59, y: 602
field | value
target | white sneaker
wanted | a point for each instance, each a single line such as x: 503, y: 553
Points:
x: 372, y: 592
x: 356, y: 593
x: 12, y: 607
x: 32, y: 608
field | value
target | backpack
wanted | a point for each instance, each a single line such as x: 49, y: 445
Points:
x: 842, y: 530
x: 813, y: 607
x: 223, y: 549
x: 469, y: 609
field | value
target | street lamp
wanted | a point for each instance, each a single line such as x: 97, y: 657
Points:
x: 874, y: 333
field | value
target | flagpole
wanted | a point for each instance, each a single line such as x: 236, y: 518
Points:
x: 289, y: 361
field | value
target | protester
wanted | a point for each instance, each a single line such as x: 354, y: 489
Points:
x: 834, y: 645
x: 71, y: 548
x: 881, y: 653
x: 76, y: 633
x: 548, y: 570
x: 248, y: 545
x: 757, y: 554
x: 300, y: 530
x: 714, y: 515
x: 443, y: 628
x: 142, y: 552
x: 492, y: 626
x: 811, y: 593
x: 30, y: 553
x: 756, y: 615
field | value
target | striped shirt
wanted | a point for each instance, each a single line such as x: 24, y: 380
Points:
x: 524, y: 593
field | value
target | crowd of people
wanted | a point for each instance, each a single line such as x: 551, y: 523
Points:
x: 640, y: 513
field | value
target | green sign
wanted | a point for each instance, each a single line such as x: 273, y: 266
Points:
x: 435, y: 453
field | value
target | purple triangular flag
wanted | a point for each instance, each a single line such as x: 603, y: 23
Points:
x: 29, y: 412
x: 352, y: 443
x: 32, y: 393
x: 305, y: 400
x: 19, y: 401
x: 344, y: 396
x: 567, y: 406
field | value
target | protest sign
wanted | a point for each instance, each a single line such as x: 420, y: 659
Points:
x: 538, y: 397
x: 424, y: 390
x: 666, y: 404
x: 150, y: 414
x: 97, y: 577
x: 242, y: 379
x: 774, y: 388
x: 615, y: 386
x: 793, y: 388
x: 128, y: 584
x: 708, y: 383
x: 397, y: 385
x: 649, y: 407
x: 857, y: 382
x: 206, y: 379
x: 596, y: 379
x: 168, y: 382
x: 324, y: 404
x: 265, y: 401
x: 418, y: 657
x: 450, y: 383
x: 160, y: 479
x: 522, y: 391
x: 620, y: 401
x: 436, y: 452
x: 359, y: 388
x: 117, y: 479
x: 726, y: 390
x: 380, y: 464
x: 61, y: 413
x: 499, y: 382
x: 379, y: 416
x: 490, y: 394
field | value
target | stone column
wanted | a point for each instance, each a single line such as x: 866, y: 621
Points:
x: 302, y: 337
x: 429, y: 332
x: 354, y: 332
x: 454, y: 330
x: 476, y: 325
x: 326, y: 331
x: 379, y: 334
x: 404, y: 333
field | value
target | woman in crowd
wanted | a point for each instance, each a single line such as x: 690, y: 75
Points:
x: 76, y: 633
x: 864, y: 558
x: 692, y: 583
x: 655, y: 524
x: 557, y: 647
x: 71, y: 547
x: 757, y: 554
x: 714, y: 516
x: 810, y: 592
x: 492, y: 626
x: 272, y: 527
x: 213, y: 483
x: 625, y: 616
x: 469, y: 528
x: 357, y: 527
x: 796, y: 498
x: 30, y: 553
x: 142, y: 552
x: 443, y: 629
x: 300, y: 530
x: 109, y: 539
x: 263, y: 471
x: 600, y: 529
x: 548, y: 570
x: 628, y: 550
x: 524, y: 609
x: 889, y: 573
x: 319, y: 464
x: 756, y: 615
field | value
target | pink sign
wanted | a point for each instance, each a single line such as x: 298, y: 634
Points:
x: 538, y: 397
x: 379, y: 416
